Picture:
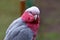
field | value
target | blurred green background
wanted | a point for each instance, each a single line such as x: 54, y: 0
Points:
x: 50, y: 17
x: 9, y: 10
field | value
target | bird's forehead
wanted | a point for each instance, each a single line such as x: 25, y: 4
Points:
x: 34, y: 10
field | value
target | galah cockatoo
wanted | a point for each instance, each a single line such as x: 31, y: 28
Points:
x: 24, y: 27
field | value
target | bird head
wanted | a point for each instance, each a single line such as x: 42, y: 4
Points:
x: 34, y: 11
x: 31, y: 13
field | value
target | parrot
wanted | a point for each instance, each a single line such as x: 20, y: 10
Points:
x: 25, y: 27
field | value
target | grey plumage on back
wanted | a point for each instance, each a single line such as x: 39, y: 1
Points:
x: 16, y: 23
x: 18, y: 30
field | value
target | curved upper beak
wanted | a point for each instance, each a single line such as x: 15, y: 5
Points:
x: 36, y: 16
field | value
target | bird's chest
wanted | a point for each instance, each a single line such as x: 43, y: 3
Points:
x: 34, y: 27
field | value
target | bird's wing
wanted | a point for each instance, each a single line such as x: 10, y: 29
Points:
x: 25, y: 34
x: 14, y: 24
x: 18, y: 34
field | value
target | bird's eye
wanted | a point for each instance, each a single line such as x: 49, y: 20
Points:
x: 30, y: 12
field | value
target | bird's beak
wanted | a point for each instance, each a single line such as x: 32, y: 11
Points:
x: 35, y: 17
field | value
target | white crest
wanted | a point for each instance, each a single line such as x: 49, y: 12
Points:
x: 34, y: 10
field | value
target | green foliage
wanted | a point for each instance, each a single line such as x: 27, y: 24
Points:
x: 8, y: 12
x: 29, y: 3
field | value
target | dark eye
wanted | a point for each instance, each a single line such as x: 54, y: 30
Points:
x: 30, y: 12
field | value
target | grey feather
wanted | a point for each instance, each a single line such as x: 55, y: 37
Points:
x: 16, y: 23
x: 20, y: 33
x: 25, y: 34
x: 18, y: 30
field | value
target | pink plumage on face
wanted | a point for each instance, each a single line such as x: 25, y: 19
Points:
x: 32, y: 19
x: 31, y: 13
x: 27, y: 17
